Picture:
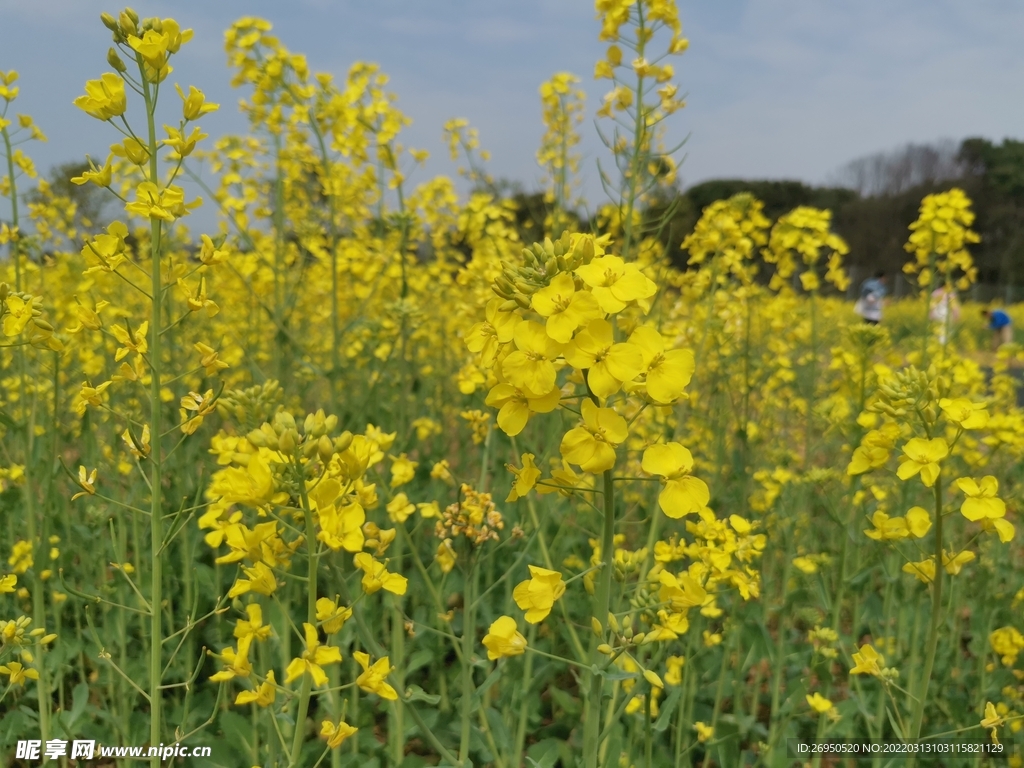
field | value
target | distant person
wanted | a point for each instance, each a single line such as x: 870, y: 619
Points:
x: 1001, y: 326
x: 872, y: 292
x: 944, y: 310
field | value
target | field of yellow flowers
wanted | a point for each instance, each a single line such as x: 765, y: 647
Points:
x: 362, y: 479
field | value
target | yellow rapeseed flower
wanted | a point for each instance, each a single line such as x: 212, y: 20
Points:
x: 374, y: 676
x: 537, y: 595
x: 683, y: 494
x: 922, y: 456
x: 313, y: 659
x: 503, y: 639
x: 336, y: 734
x: 592, y: 444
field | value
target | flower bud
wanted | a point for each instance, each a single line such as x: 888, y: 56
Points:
x: 286, y: 443
x: 270, y: 435
x: 257, y: 438
x: 128, y: 21
x: 343, y: 442
x: 595, y: 625
x: 325, y: 448
x: 115, y: 61
x: 651, y: 677
x: 605, y: 649
x: 109, y: 22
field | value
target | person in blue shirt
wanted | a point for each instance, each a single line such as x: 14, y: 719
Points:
x: 872, y: 293
x: 1001, y: 326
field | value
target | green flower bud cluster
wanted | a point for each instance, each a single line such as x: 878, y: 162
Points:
x: 253, y: 406
x: 622, y: 636
x: 627, y: 564
x: 912, y: 391
x: 541, y: 263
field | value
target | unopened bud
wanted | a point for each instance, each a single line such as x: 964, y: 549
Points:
x: 128, y: 21
x: 343, y: 442
x: 325, y: 448
x: 115, y: 61
x: 257, y: 438
x: 287, y: 442
x: 109, y: 21
x: 605, y: 649
x: 595, y: 625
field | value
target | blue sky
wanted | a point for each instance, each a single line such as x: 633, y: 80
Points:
x: 776, y: 88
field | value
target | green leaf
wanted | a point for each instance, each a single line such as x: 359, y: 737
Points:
x: 415, y: 693
x: 419, y: 659
x: 895, y: 724
x: 492, y: 678
x: 543, y: 754
x: 666, y: 710
x: 79, y: 700
x: 571, y: 705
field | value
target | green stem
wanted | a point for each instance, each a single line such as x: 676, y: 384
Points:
x: 602, y: 606
x: 304, y: 693
x: 524, y: 703
x: 931, y: 644
x: 156, y: 429
x: 468, y: 638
